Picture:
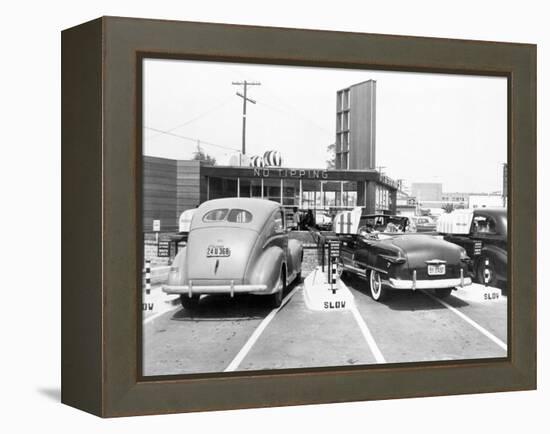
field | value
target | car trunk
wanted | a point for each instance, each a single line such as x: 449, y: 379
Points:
x: 219, y: 254
x: 421, y: 248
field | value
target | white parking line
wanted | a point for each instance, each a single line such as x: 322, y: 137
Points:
x: 259, y: 330
x: 470, y: 321
x: 367, y: 335
x: 378, y: 356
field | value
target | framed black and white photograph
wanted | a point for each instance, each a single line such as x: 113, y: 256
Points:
x: 304, y: 217
x: 278, y: 216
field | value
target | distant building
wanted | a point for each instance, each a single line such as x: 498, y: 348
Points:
x: 406, y: 205
x: 486, y: 201
x: 427, y: 192
x: 356, y: 127
x: 457, y: 199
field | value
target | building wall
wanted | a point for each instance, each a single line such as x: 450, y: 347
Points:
x: 188, y: 185
x: 173, y: 186
x: 363, y: 126
x: 159, y: 193
x: 356, y: 126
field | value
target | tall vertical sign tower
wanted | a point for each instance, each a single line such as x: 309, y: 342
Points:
x: 356, y: 127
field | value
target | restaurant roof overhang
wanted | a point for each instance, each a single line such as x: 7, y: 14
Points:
x: 309, y: 174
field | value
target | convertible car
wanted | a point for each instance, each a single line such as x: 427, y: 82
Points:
x: 381, y: 249
x: 236, y: 245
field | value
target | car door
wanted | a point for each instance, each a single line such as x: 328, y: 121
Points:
x: 347, y: 248
x: 364, y: 252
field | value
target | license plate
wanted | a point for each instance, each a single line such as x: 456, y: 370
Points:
x: 217, y: 251
x: 436, y: 270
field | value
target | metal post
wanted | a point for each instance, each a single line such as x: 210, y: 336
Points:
x: 262, y: 187
x: 342, y: 194
x: 244, y: 120
x: 323, y: 255
x: 300, y: 198
x: 147, y: 276
x: 281, y: 191
x: 245, y: 98
x: 238, y: 187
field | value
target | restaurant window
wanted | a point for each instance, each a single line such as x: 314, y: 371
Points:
x: 255, y: 188
x: 349, y: 191
x: 382, y: 199
x: 245, y: 189
x: 272, y: 189
x: 291, y: 192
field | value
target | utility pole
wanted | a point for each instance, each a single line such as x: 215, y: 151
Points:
x: 245, y: 98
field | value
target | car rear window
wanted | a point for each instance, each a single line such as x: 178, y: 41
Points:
x: 225, y: 214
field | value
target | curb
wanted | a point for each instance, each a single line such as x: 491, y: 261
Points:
x: 319, y: 297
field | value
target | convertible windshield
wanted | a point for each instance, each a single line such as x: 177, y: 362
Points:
x: 225, y: 214
x: 384, y: 224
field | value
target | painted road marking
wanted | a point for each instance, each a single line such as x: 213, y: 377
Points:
x: 470, y: 321
x: 379, y: 357
x: 259, y: 330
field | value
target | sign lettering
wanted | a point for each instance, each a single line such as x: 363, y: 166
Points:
x: 163, y: 249
x: 334, y: 305
x: 290, y: 173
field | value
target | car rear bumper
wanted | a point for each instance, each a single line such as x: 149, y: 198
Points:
x: 215, y: 289
x: 429, y: 284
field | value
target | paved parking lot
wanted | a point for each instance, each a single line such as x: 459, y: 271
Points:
x: 238, y: 334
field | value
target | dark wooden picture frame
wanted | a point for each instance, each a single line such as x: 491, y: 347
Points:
x: 101, y: 227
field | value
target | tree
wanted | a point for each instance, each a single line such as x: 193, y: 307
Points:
x: 331, y: 152
x: 200, y: 155
x: 448, y: 207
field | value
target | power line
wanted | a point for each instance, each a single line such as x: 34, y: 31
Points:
x: 192, y: 139
x: 296, y: 112
x: 196, y: 118
x: 290, y: 115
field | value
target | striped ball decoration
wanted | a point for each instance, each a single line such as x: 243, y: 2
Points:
x: 273, y: 159
x: 256, y: 161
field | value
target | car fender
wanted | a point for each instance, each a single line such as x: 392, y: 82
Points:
x: 295, y: 253
x: 499, y: 257
x: 177, y: 273
x: 265, y: 270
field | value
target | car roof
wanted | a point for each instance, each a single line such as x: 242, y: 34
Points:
x: 261, y: 210
x: 491, y: 211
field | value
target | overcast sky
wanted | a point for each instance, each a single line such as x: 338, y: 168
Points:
x: 429, y: 127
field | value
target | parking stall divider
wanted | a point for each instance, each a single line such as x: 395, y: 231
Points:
x: 470, y: 321
x: 257, y: 333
